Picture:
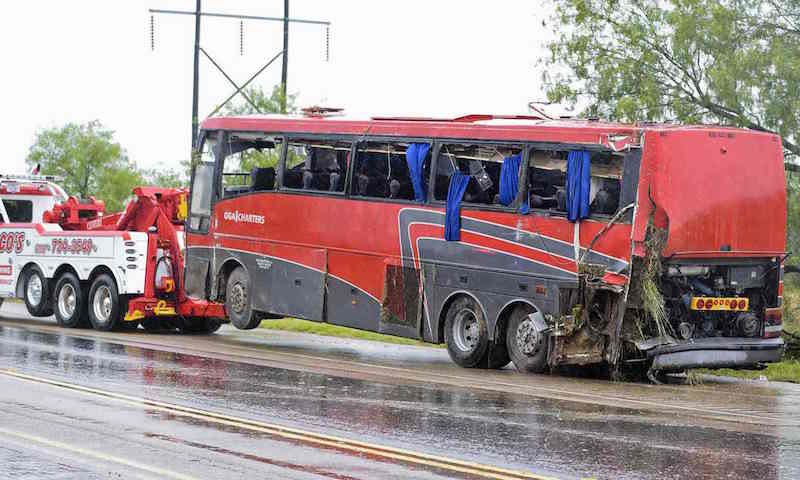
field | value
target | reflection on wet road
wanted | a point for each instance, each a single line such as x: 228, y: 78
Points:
x: 510, y: 429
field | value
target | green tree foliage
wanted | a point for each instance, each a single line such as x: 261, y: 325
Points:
x: 164, y: 178
x: 715, y: 61
x: 88, y: 159
x: 261, y: 104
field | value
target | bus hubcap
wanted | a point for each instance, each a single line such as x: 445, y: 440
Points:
x: 35, y: 290
x: 102, y: 304
x: 239, y: 298
x: 466, y: 330
x: 527, y: 338
x: 66, y: 301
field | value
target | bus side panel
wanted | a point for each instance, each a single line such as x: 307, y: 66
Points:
x: 346, y: 303
x: 298, y: 289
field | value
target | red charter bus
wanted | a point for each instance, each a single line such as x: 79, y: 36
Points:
x: 509, y: 238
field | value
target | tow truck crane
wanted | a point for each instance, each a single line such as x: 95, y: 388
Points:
x: 66, y: 258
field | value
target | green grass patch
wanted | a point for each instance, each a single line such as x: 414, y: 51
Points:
x: 318, y: 328
x: 783, y: 371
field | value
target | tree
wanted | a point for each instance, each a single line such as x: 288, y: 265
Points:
x: 88, y: 159
x: 715, y: 61
x: 164, y: 178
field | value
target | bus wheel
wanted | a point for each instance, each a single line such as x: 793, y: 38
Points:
x: 201, y: 325
x: 466, y: 333
x: 104, y: 308
x: 239, y: 302
x: 69, y: 302
x: 526, y: 346
x: 36, y: 293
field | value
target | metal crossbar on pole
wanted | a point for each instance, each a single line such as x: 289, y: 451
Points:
x: 241, y: 17
x: 240, y: 89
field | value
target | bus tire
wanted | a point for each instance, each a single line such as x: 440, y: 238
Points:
x: 36, y: 292
x: 104, y: 306
x: 239, y: 301
x: 530, y: 357
x: 201, y: 325
x: 466, y: 333
x: 497, y: 356
x: 69, y: 302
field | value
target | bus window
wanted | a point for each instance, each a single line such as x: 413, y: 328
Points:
x: 19, y: 211
x: 547, y: 179
x: 381, y: 171
x: 316, y: 165
x: 249, y: 164
x: 481, y: 162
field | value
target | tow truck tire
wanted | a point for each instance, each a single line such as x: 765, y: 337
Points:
x: 69, y: 302
x: 239, y: 301
x: 466, y: 333
x: 201, y: 325
x: 104, y: 307
x: 36, y: 292
x: 528, y: 350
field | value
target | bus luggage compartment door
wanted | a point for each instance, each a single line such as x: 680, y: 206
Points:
x: 298, y: 281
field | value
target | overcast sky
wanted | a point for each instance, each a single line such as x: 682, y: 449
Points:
x: 90, y: 59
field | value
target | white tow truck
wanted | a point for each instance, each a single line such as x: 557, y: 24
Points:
x: 63, y: 256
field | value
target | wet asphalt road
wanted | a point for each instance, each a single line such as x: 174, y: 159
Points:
x: 410, y: 398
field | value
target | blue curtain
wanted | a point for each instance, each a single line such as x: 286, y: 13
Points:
x: 452, y: 217
x: 509, y: 183
x: 578, y: 185
x: 415, y: 157
x: 509, y: 179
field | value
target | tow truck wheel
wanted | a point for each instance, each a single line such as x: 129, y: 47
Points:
x: 466, y: 333
x: 239, y: 301
x: 69, y: 302
x: 104, y: 308
x: 201, y: 324
x: 36, y: 292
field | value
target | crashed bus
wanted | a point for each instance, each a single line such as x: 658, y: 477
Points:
x: 541, y: 242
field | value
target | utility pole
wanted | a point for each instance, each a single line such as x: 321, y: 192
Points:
x: 240, y: 89
x: 196, y: 86
x: 285, y: 68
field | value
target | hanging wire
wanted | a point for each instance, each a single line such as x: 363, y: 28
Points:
x: 241, y: 37
x: 327, y: 43
x: 152, y: 34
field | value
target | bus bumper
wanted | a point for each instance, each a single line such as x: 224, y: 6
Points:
x: 717, y: 352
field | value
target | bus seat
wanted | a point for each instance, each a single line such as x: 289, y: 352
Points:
x: 262, y: 179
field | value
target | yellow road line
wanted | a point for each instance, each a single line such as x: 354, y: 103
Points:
x: 160, y: 472
x: 401, y: 455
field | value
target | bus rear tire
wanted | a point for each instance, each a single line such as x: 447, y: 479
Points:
x: 69, y: 302
x: 104, y: 307
x: 527, y: 350
x: 239, y: 301
x: 466, y: 333
x: 36, y: 292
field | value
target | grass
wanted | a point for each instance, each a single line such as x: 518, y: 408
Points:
x: 306, y: 326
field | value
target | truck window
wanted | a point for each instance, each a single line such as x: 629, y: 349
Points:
x: 19, y: 211
x: 250, y: 163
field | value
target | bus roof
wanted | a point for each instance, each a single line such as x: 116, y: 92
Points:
x: 474, y: 126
